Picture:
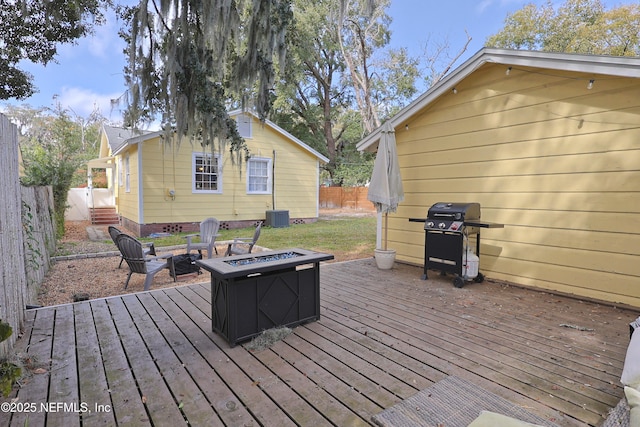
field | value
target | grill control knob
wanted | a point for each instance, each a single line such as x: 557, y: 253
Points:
x: 442, y: 225
x: 430, y: 224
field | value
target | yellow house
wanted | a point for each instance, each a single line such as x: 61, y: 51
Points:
x: 549, y: 145
x: 160, y: 188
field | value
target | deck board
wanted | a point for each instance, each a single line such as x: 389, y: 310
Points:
x: 91, y: 374
x: 151, y: 358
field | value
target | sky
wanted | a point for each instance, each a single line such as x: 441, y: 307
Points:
x: 89, y: 74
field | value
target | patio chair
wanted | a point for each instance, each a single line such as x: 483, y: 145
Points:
x: 244, y: 245
x: 115, y: 232
x: 133, y: 253
x: 208, y: 233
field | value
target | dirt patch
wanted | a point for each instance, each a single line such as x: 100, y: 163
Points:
x: 99, y: 277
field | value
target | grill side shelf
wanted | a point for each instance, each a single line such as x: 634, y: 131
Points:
x: 483, y: 224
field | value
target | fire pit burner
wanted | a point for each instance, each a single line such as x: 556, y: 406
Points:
x: 264, y: 258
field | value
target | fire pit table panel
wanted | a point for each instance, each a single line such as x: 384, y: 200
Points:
x: 254, y: 292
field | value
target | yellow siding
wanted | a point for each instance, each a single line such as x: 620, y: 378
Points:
x: 166, y: 167
x: 557, y: 163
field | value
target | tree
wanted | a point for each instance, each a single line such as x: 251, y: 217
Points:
x: 32, y: 29
x: 51, y: 144
x: 311, y: 97
x: 382, y: 80
x: 188, y: 58
x: 577, y: 26
x: 322, y: 88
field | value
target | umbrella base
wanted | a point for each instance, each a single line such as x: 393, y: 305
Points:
x: 385, y: 258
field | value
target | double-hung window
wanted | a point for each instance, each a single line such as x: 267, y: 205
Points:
x: 259, y: 176
x: 206, y: 173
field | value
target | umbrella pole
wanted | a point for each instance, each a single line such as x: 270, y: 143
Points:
x: 386, y: 229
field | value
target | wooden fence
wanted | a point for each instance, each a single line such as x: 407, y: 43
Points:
x: 27, y: 236
x: 345, y: 198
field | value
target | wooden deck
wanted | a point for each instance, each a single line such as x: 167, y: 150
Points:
x: 151, y: 358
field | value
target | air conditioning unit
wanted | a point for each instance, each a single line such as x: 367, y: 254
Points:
x: 277, y: 219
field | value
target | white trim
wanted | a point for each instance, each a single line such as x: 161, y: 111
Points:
x: 140, y: 187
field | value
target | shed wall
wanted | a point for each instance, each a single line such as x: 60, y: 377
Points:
x: 554, y: 161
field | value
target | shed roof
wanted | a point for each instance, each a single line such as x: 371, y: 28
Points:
x: 591, y: 64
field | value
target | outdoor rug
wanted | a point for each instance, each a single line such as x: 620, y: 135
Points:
x: 619, y: 416
x: 452, y: 402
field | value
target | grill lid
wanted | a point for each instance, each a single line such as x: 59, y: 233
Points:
x: 454, y: 211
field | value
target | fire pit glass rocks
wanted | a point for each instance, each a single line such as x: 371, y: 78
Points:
x: 264, y: 258
x: 254, y: 292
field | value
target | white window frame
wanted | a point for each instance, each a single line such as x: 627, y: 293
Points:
x: 250, y: 176
x: 244, y: 122
x: 127, y: 174
x: 194, y: 160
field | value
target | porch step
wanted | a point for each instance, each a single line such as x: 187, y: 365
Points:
x: 104, y: 216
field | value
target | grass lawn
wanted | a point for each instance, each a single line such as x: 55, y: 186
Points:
x: 344, y: 237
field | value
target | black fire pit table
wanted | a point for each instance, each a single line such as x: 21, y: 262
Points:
x: 254, y: 292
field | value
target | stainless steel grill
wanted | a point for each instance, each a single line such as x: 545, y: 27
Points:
x: 448, y: 227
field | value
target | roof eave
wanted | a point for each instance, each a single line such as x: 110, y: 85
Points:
x: 593, y: 64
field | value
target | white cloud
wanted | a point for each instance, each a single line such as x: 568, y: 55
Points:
x: 483, y: 5
x: 83, y: 101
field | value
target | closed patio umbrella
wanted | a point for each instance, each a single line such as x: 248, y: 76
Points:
x: 385, y: 188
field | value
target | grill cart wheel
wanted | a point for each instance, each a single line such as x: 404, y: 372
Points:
x: 479, y: 278
x: 458, y: 282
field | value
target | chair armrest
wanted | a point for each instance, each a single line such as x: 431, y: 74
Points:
x: 157, y: 257
x: 243, y: 239
x: 151, y: 246
x: 191, y: 235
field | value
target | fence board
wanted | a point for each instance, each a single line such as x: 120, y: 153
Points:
x: 27, y: 237
x: 345, y: 198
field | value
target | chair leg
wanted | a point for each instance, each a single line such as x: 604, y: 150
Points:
x: 127, y: 281
x: 148, y: 280
x: 121, y: 260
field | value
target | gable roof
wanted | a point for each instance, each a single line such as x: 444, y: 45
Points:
x: 284, y: 133
x: 123, y: 138
x: 591, y: 64
x: 117, y: 137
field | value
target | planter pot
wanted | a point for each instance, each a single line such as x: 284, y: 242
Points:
x: 385, y: 258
